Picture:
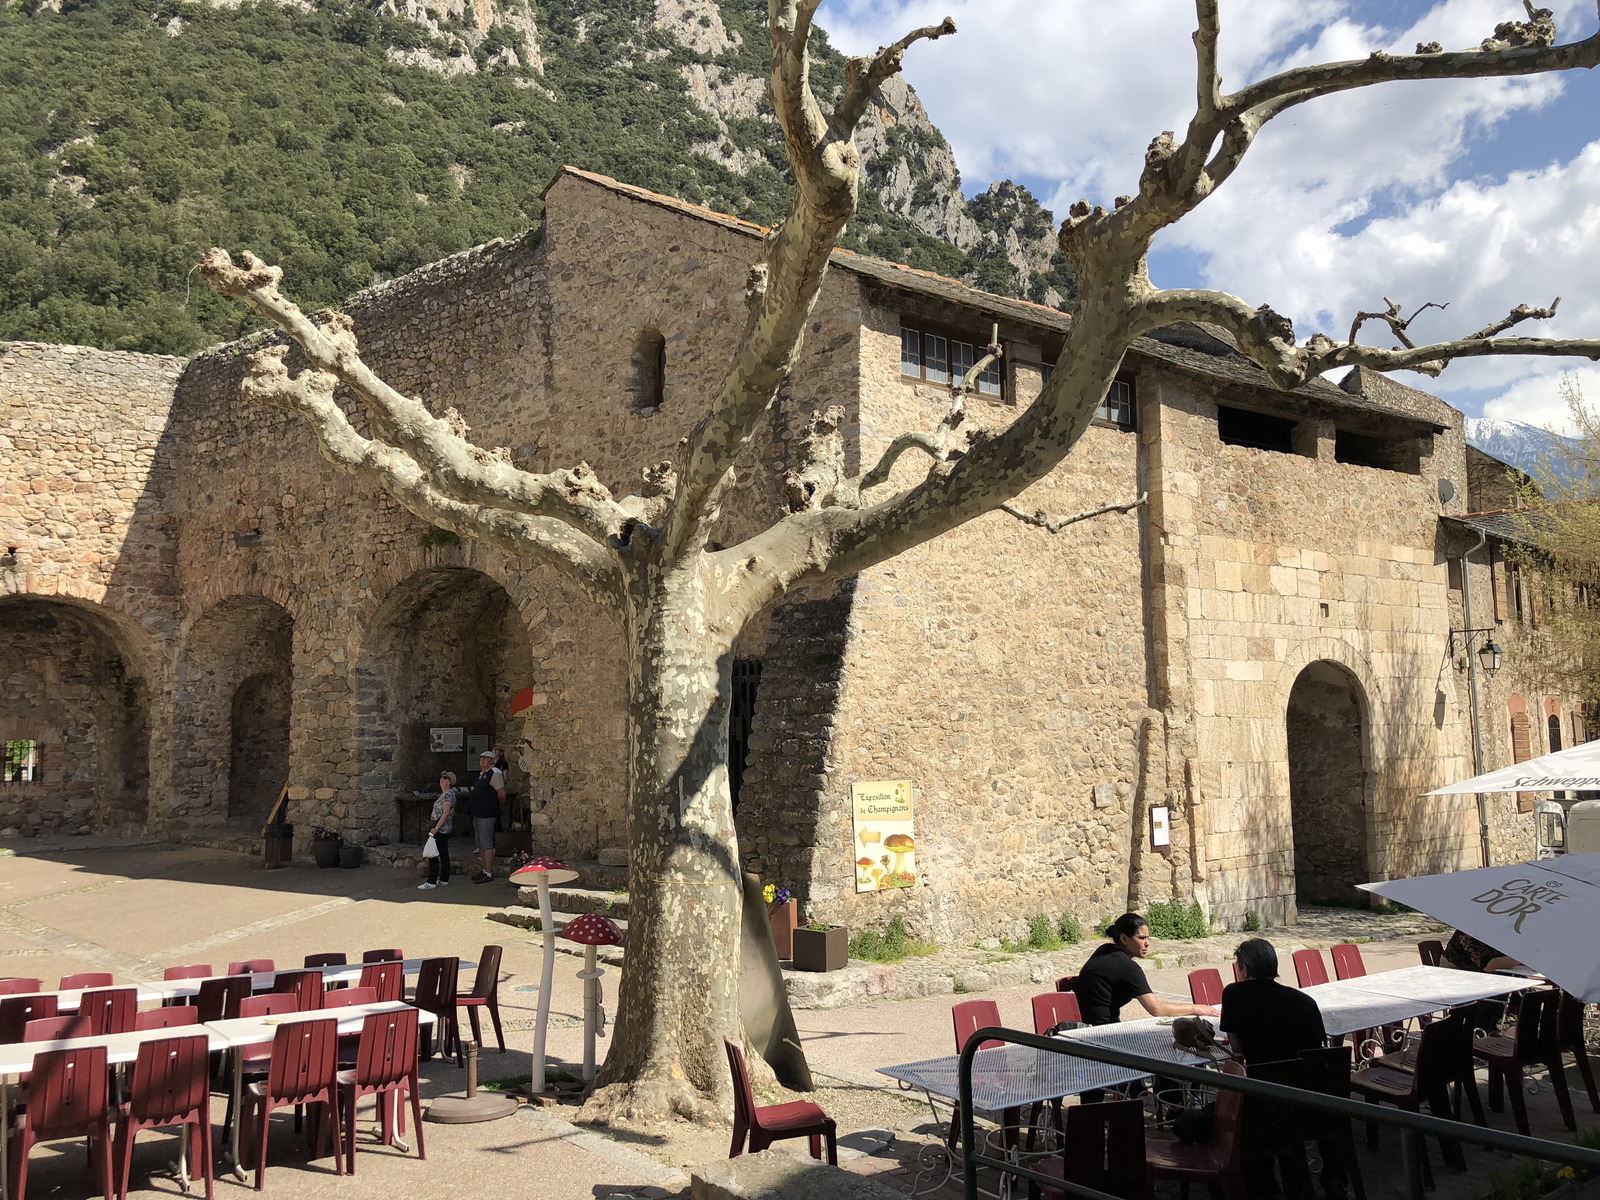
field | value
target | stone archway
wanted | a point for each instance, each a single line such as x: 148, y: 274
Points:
x: 447, y: 649
x: 236, y: 687
x: 72, y: 696
x: 1327, y: 728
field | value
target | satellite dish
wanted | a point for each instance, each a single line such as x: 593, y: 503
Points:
x: 1447, y: 491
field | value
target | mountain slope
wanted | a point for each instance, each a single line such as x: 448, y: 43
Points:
x: 1526, y: 447
x: 352, y: 143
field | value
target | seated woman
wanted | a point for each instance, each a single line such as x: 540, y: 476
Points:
x: 1112, y: 977
x: 1466, y: 953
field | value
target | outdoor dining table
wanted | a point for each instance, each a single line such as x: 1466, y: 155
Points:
x: 67, y: 1002
x: 1372, y: 1001
x: 239, y: 1033
x: 16, y: 1058
x: 263, y: 981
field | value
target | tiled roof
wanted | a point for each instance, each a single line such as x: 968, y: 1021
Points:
x: 1506, y: 524
x: 1206, y: 350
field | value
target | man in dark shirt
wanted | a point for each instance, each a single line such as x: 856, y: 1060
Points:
x: 1265, y: 1021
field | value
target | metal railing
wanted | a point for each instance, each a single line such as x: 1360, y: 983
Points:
x: 1412, y: 1126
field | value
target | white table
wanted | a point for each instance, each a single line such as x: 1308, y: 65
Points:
x: 240, y: 1033
x: 263, y: 981
x: 16, y: 1058
x: 68, y: 1001
x: 1371, y: 1001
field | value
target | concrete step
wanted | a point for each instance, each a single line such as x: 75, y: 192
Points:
x: 601, y: 876
x: 571, y: 899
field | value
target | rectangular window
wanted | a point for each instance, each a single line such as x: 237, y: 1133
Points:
x: 936, y: 359
x: 1117, y: 407
x: 911, y: 353
x: 989, y: 380
x: 1257, y: 431
x: 961, y: 360
x: 22, y: 761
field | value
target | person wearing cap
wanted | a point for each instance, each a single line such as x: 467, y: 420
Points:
x: 483, y: 806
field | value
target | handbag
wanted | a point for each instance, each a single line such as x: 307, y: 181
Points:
x: 430, y: 848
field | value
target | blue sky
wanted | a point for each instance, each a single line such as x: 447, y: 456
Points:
x: 1482, y: 194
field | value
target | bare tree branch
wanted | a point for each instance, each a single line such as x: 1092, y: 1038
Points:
x: 458, y: 469
x: 1208, y: 80
x: 864, y: 76
x: 1056, y: 524
x: 311, y: 395
x: 826, y: 167
x: 1516, y: 316
x: 1392, y: 318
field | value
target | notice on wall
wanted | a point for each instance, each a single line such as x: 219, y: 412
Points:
x: 885, y: 843
x: 446, y: 741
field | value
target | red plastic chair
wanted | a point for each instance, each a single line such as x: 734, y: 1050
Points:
x: 1205, y: 986
x: 1052, y: 1008
x: 251, y: 966
x: 85, y: 979
x: 1309, y: 969
x: 486, y: 994
x: 17, y: 1011
x: 49, y: 1029
x: 18, y: 987
x: 1431, y: 952
x: 1536, y: 1039
x: 195, y: 971
x: 303, y: 1070
x: 1219, y: 1162
x: 1570, y: 1037
x: 1347, y: 963
x: 326, y: 960
x: 387, y: 979
x: 972, y: 1015
x: 372, y: 956
x: 436, y: 993
x: 167, y: 1018
x: 775, y: 1122
x: 386, y: 1067
x: 66, y: 1099
x: 171, y: 1085
x: 304, y: 986
x: 110, y: 1010
x: 1104, y: 1149
x: 1238, y: 973
x: 349, y: 997
x: 1064, y: 984
x: 268, y: 1004
x: 219, y: 998
x: 1429, y: 1083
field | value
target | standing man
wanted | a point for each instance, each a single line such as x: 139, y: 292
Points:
x: 483, y: 806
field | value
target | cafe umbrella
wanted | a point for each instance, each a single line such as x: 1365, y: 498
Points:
x: 1543, y: 914
x: 1574, y: 770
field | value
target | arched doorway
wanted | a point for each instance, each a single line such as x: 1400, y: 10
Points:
x: 74, y: 719
x: 448, y: 650
x: 238, y: 683
x: 1328, y: 785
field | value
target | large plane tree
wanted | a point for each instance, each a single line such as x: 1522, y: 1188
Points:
x: 679, y: 602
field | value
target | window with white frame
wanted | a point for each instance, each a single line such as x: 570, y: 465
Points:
x: 1116, y: 408
x: 934, y: 358
x: 22, y: 761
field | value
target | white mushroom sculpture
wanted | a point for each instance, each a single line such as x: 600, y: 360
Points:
x: 543, y: 872
x: 592, y: 931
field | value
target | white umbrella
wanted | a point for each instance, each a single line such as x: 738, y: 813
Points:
x: 1541, y: 913
x: 1574, y: 770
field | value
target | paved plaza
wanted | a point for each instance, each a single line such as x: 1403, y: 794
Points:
x: 135, y: 908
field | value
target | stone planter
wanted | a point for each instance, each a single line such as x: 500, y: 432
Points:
x: 824, y: 950
x: 350, y: 856
x: 326, y: 853
x: 784, y: 918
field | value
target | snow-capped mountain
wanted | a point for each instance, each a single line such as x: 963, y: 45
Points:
x: 1524, y: 446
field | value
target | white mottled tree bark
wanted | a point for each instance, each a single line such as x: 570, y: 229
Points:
x: 645, y: 558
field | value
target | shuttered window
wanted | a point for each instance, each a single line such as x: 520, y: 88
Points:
x: 1522, y: 751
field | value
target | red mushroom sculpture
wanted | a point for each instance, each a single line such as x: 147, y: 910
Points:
x: 543, y: 872
x: 592, y: 931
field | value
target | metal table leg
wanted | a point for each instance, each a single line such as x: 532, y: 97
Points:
x: 238, y: 1112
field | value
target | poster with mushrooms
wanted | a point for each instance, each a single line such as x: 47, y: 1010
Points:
x: 885, y: 843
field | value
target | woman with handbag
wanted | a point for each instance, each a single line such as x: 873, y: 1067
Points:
x: 442, y: 821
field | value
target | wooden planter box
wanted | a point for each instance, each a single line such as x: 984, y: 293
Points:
x: 827, y: 951
x: 784, y: 919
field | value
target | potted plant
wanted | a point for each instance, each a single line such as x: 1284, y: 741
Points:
x: 819, y: 946
x: 351, y: 857
x: 784, y: 914
x: 325, y: 845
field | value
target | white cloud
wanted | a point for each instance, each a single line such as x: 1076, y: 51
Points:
x: 1342, y: 201
x: 1537, y: 401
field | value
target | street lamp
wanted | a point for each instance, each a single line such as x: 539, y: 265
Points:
x: 1489, y: 656
x: 1489, y: 653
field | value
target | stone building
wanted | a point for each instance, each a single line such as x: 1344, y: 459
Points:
x: 196, y: 609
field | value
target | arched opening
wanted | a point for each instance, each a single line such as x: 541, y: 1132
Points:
x: 237, y: 680
x: 74, y: 719
x: 649, y: 371
x: 1327, y: 786
x: 447, y: 652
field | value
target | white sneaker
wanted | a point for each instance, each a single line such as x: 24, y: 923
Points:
x: 444, y: 883
x: 426, y: 887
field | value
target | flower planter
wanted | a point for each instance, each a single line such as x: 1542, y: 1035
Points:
x: 326, y: 853
x: 350, y: 857
x: 279, y: 845
x: 784, y: 918
x: 821, y: 950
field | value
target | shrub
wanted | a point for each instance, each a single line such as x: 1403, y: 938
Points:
x: 891, y: 944
x: 1069, y: 929
x: 1252, y: 921
x: 1104, y: 925
x: 1177, y: 921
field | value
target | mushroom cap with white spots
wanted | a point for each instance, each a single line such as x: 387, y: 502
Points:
x: 551, y: 870
x: 592, y: 929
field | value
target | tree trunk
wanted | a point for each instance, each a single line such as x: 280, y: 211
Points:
x: 680, y: 986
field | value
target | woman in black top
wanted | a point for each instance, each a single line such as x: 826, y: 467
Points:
x: 1113, y: 976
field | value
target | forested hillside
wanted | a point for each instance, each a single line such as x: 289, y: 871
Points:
x: 351, y: 145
